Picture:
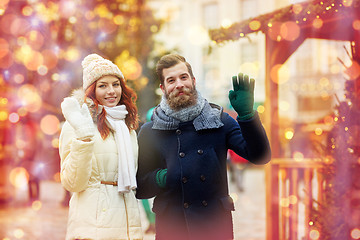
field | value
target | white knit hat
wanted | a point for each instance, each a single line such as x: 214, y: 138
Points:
x: 95, y: 67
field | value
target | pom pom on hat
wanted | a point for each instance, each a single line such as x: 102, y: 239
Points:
x: 95, y: 67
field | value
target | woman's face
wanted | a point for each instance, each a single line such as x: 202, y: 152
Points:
x: 108, y: 91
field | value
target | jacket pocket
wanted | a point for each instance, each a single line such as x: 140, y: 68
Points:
x: 227, y: 203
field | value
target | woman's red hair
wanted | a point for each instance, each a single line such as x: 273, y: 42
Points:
x: 128, y: 98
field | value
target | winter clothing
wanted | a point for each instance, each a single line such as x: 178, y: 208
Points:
x: 95, y: 67
x: 79, y: 118
x: 242, y: 97
x: 195, y: 203
x: 126, y: 167
x: 97, y: 211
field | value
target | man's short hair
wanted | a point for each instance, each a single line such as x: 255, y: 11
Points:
x: 168, y: 61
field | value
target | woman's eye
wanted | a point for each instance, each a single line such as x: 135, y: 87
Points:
x: 116, y: 84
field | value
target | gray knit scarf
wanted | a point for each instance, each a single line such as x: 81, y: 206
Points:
x: 202, y: 114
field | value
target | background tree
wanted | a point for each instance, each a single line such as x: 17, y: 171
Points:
x: 42, y: 44
x: 337, y: 215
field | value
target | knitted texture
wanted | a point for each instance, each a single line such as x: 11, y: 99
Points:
x: 95, y: 67
x: 161, y: 177
x: 78, y: 117
x: 202, y: 115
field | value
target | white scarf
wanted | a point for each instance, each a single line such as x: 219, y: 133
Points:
x: 126, y: 167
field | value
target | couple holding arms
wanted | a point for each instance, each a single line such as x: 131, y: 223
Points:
x: 179, y: 157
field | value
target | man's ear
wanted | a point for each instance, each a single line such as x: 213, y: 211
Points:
x: 162, y: 88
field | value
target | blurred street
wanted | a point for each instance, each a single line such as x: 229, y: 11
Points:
x: 47, y: 220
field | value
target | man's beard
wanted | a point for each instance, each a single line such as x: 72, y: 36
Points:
x: 178, y: 102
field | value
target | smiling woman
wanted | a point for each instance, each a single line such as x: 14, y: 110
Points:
x: 108, y: 91
x: 98, y: 150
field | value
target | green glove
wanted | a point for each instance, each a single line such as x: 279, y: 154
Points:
x: 161, y: 177
x: 242, y: 97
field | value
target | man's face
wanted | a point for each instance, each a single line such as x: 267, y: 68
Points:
x: 179, y: 87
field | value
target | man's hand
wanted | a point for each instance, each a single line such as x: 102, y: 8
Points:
x: 242, y: 97
x: 79, y: 118
x: 161, y: 177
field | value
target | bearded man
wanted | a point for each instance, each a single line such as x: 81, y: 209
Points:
x: 183, y: 149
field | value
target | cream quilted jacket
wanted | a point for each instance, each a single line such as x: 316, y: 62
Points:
x: 97, y: 211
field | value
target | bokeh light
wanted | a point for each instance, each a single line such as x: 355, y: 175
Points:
x: 356, y: 25
x: 19, y: 177
x: 298, y: 156
x: 284, y: 202
x: 19, y: 233
x: 280, y: 74
x: 19, y: 78
x: 254, y: 25
x: 289, y: 133
x: 317, y: 23
x: 3, y: 115
x: 29, y: 97
x: 50, y: 58
x: 72, y: 54
x: 35, y: 39
x: 355, y: 233
x: 260, y: 109
x: 318, y: 131
x: 314, y: 234
x: 284, y: 106
x: 49, y: 124
x: 129, y: 65
x: 56, y: 177
x: 55, y: 143
x: 293, y: 199
x: 297, y: 8
x: 14, y: 117
x: 36, y: 205
x: 289, y: 31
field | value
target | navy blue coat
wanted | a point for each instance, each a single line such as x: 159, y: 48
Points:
x: 195, y: 203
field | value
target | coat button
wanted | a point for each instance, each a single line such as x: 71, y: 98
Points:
x: 184, y: 180
x: 200, y: 151
x: 204, y: 203
x: 202, y: 178
x: 182, y: 154
x: 178, y: 131
x: 186, y: 205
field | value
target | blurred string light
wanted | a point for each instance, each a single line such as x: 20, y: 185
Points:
x: 282, y: 26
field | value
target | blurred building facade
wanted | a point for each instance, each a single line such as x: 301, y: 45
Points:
x: 309, y: 82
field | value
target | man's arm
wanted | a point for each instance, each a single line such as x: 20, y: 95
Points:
x: 148, y: 165
x: 257, y: 147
